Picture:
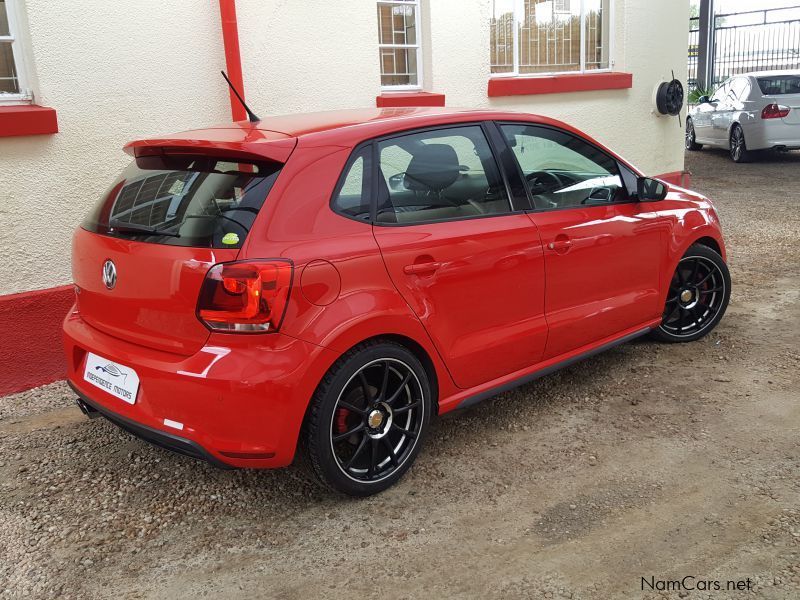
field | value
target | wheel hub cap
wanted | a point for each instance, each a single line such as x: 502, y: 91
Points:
x: 686, y: 296
x: 375, y: 419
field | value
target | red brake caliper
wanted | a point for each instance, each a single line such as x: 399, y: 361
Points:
x: 341, y: 420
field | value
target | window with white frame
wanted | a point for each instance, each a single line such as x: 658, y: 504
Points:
x: 532, y: 37
x: 400, y: 44
x: 13, y: 85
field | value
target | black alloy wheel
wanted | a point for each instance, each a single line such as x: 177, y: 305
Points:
x: 697, y: 298
x: 368, y: 418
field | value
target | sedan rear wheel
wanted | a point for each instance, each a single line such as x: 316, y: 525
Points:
x: 368, y: 418
x: 697, y: 298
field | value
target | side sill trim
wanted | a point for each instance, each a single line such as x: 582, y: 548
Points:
x: 473, y: 400
x: 156, y: 437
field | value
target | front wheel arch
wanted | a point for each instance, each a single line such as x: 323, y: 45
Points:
x: 709, y: 242
x: 709, y: 294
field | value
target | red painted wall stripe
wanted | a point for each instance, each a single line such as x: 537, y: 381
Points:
x: 32, y: 353
x: 681, y: 178
x: 27, y: 119
x: 404, y: 99
x: 556, y: 84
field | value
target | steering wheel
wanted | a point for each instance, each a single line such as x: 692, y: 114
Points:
x: 542, y: 182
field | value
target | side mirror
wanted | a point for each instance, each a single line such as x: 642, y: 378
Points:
x: 703, y: 100
x: 650, y: 190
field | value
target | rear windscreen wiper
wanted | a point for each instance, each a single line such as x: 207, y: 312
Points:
x: 122, y: 227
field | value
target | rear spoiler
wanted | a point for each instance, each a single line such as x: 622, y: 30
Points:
x: 237, y: 143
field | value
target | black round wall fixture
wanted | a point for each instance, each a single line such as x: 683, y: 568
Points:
x: 669, y: 97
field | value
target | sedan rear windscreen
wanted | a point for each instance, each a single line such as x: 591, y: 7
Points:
x: 184, y: 201
x: 779, y: 85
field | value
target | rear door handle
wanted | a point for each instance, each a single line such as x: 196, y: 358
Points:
x: 421, y: 268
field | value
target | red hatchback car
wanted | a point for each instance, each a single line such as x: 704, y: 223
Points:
x: 337, y: 279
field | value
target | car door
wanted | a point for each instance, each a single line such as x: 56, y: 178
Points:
x: 469, y: 265
x: 701, y: 119
x: 722, y: 116
x: 602, y: 247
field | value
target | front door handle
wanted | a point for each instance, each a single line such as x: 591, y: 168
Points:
x: 561, y: 244
x: 421, y: 268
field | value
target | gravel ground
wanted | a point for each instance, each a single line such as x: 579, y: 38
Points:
x: 648, y: 461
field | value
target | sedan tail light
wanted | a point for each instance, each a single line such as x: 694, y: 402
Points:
x: 775, y: 111
x: 246, y: 296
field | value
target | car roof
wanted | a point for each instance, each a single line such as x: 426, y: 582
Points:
x: 300, y: 124
x: 275, y: 137
x: 774, y: 73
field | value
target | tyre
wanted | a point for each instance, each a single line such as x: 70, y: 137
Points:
x: 697, y: 298
x: 367, y: 418
x: 690, y: 142
x: 738, y: 146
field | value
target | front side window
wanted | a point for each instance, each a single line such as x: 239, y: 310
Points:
x: 563, y: 171
x: 399, y: 44
x: 184, y: 201
x: 13, y: 85
x: 722, y: 92
x: 529, y: 37
x: 439, y: 175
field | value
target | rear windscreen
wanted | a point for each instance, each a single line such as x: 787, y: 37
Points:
x: 778, y: 85
x: 184, y: 201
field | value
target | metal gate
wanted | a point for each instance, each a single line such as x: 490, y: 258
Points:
x: 756, y: 40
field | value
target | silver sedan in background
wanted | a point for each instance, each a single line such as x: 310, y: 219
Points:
x: 748, y: 112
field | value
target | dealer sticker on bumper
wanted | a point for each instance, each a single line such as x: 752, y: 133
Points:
x: 114, y: 378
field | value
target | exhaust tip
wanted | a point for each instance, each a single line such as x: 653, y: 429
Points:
x: 89, y: 411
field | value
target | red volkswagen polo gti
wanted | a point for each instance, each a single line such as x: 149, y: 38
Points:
x: 335, y: 280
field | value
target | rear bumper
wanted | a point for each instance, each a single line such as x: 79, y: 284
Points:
x: 238, y: 402
x: 154, y: 436
x: 763, y: 134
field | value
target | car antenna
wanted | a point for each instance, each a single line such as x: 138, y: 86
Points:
x: 250, y: 114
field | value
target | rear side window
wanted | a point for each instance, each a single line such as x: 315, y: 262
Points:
x: 184, y: 201
x: 779, y: 85
x: 739, y: 88
x: 351, y: 197
x: 439, y: 175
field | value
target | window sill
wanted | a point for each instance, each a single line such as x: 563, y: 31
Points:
x: 27, y: 119
x: 558, y: 84
x: 404, y: 99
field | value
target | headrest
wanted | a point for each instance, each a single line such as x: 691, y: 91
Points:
x: 433, y: 167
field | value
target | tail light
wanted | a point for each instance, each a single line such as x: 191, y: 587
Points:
x: 246, y: 296
x: 775, y: 111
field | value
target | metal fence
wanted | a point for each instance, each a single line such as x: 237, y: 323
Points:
x: 756, y: 40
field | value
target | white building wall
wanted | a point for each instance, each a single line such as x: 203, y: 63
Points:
x: 114, y: 71
x: 650, y: 40
x: 120, y: 71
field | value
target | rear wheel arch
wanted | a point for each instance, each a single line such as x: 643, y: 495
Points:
x: 409, y: 343
x: 422, y: 355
